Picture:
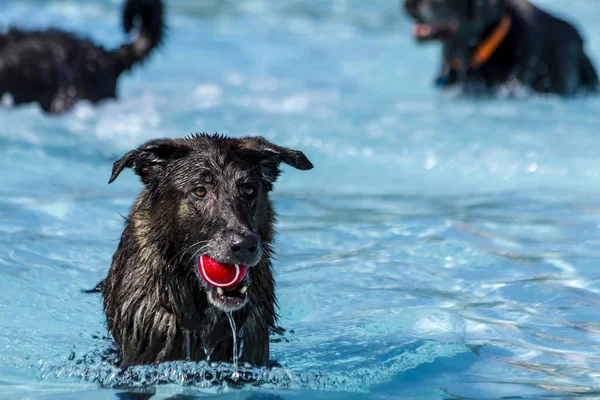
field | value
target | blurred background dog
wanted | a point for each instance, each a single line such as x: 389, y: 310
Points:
x: 491, y: 42
x: 55, y: 68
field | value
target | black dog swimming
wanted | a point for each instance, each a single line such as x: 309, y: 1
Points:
x: 489, y: 43
x: 205, y: 198
x: 55, y: 68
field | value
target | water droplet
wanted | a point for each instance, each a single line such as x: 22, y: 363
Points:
x: 532, y: 167
x: 431, y: 161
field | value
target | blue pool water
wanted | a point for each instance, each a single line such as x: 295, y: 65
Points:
x: 441, y: 247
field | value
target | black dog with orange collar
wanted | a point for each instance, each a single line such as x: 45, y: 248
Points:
x: 489, y: 43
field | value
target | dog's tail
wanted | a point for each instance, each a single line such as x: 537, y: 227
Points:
x: 589, y: 76
x: 149, y: 17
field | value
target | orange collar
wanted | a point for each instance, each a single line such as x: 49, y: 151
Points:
x: 488, y: 47
x: 491, y: 44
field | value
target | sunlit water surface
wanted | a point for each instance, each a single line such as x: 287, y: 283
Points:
x: 440, y: 248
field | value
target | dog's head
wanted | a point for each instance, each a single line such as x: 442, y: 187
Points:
x: 448, y: 19
x: 207, y: 199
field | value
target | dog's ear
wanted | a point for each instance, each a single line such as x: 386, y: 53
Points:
x: 150, y: 159
x: 269, y: 155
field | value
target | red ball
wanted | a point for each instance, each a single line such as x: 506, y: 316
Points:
x: 226, y: 276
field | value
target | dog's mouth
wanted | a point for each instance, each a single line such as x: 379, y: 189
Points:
x: 228, y: 300
x: 226, y: 284
x: 438, y: 31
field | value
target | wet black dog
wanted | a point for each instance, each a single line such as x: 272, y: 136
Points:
x: 204, y: 196
x: 488, y: 43
x: 55, y: 68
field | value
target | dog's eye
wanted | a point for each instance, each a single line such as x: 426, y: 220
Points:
x: 200, y: 192
x: 250, y: 192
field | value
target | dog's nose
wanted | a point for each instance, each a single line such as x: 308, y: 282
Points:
x: 244, y: 245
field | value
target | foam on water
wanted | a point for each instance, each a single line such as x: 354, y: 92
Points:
x: 441, y: 246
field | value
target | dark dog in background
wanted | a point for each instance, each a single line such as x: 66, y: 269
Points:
x: 488, y: 43
x: 205, y: 195
x: 55, y: 68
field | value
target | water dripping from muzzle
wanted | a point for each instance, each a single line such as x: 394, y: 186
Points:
x: 207, y: 353
x: 241, y: 336
x: 236, y: 374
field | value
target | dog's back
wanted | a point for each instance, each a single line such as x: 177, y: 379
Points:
x: 564, y: 66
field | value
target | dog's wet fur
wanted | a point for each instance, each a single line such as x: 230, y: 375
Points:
x: 55, y: 68
x: 540, y: 52
x: 202, y: 195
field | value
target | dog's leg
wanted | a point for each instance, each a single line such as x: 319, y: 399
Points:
x: 59, y: 100
x: 256, y: 342
x: 449, y: 73
x: 475, y: 85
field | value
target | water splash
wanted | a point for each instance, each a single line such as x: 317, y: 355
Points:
x: 195, y: 375
x: 100, y: 366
